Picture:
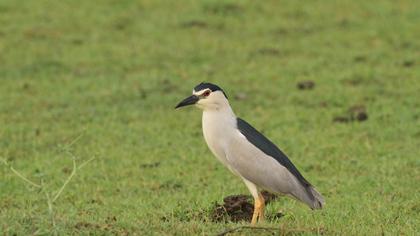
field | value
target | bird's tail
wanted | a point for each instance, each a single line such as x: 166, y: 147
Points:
x: 310, y: 196
x: 317, y: 202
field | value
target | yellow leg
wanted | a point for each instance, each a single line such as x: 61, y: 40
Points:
x: 255, y: 215
x: 258, y: 210
x: 261, y: 207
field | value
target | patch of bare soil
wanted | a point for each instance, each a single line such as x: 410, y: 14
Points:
x: 354, y: 113
x: 306, y: 85
x: 237, y: 208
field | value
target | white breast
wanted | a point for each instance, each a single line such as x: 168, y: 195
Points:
x: 218, y: 129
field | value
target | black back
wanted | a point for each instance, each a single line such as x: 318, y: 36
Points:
x: 265, y: 145
x: 210, y: 86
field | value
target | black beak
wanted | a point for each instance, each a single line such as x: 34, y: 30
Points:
x: 188, y: 101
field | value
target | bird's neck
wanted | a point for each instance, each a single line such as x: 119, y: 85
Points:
x: 219, y: 110
x: 222, y: 117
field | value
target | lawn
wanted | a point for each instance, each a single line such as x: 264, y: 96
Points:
x: 87, y: 98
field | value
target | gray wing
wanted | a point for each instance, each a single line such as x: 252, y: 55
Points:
x: 253, y: 164
x: 302, y: 190
x: 265, y: 145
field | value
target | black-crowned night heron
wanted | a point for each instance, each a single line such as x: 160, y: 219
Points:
x: 248, y: 153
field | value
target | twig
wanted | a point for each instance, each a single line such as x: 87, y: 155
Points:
x: 20, y: 175
x: 50, y: 208
x: 50, y: 201
x: 84, y: 163
x: 246, y: 227
x: 73, y: 172
x: 73, y: 142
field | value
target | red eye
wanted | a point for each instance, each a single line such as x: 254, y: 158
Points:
x: 206, y: 93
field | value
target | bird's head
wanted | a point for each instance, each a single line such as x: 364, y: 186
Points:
x: 206, y: 96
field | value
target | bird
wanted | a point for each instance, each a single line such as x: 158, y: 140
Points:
x: 247, y: 153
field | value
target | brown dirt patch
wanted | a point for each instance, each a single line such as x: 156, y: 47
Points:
x: 408, y: 63
x: 194, y: 24
x: 306, y: 85
x: 150, y: 165
x: 237, y: 208
x: 354, y: 113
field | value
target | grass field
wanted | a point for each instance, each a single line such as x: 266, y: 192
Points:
x: 96, y: 83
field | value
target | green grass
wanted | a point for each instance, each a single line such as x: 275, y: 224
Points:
x: 111, y: 72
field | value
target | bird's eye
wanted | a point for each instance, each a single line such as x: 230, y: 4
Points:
x: 206, y: 93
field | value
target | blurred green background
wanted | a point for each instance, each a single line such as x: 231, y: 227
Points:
x: 99, y: 79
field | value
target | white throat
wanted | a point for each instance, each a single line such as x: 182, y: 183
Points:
x: 219, y: 126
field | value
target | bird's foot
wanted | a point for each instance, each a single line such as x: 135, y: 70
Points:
x: 258, y: 214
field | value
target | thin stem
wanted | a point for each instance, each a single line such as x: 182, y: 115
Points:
x: 73, y: 172
x: 86, y: 162
x: 20, y: 175
x: 73, y: 142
